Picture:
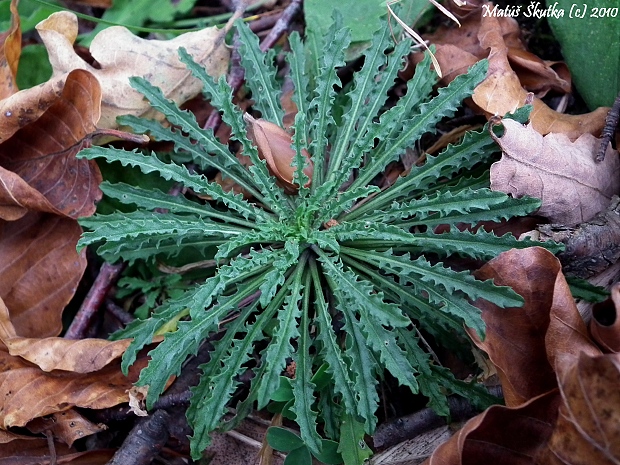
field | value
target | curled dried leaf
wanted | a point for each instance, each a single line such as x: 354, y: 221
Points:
x: 274, y: 146
x: 605, y: 324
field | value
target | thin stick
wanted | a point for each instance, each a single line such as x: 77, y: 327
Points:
x: 108, y: 274
x: 611, y: 123
x: 282, y: 25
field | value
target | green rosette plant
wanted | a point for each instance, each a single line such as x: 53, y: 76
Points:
x: 337, y: 275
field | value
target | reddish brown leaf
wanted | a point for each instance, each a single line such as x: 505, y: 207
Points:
x: 523, y: 342
x: 274, y: 146
x: 588, y: 427
x: 17, y: 197
x: 66, y: 427
x: 501, y: 435
x: 10, y: 51
x: 43, y: 152
x: 605, y: 322
x: 573, y: 186
x: 39, y: 271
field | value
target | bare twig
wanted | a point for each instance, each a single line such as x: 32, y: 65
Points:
x: 611, y: 123
x: 52, y: 447
x: 410, y: 426
x: 145, y: 441
x: 119, y: 313
x: 108, y: 274
x: 282, y: 25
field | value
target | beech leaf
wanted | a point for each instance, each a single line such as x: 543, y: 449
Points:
x: 42, y: 154
x: 31, y: 393
x: 513, y: 72
x: 506, y: 435
x: 587, y: 430
x: 39, y: 271
x: 605, y: 322
x: 122, y: 55
x: 573, y: 187
x: 274, y: 146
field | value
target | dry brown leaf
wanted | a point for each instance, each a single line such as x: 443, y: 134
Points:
x: 67, y: 426
x: 10, y: 51
x: 564, y: 174
x: 43, y: 153
x: 19, y: 108
x: 515, y: 337
x: 588, y: 427
x: 26, y: 106
x: 513, y: 72
x: 501, y: 435
x: 605, y: 322
x: 502, y: 92
x: 55, y: 353
x: 43, y: 187
x: 274, y: 146
x: 120, y: 55
x: 519, y: 341
x: 29, y: 392
x: 39, y: 271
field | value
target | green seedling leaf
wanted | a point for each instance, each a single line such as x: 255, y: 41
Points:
x: 299, y: 456
x: 590, y: 40
x: 329, y: 453
x: 284, y: 393
x: 283, y: 440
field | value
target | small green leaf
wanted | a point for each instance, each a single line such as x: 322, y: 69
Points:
x: 284, y: 393
x: 300, y: 456
x: 329, y: 453
x: 282, y: 439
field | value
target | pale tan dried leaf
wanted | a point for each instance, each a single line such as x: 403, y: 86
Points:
x: 564, y: 174
x: 28, y: 105
x: 502, y: 92
x: 137, y: 396
x: 29, y: 392
x: 513, y: 72
x: 55, y: 353
x: 121, y: 55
